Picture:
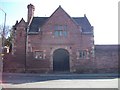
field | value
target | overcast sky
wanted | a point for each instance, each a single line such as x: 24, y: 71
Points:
x: 102, y: 14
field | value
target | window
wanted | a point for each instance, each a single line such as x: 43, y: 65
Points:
x: 60, y: 30
x: 38, y: 55
x: 84, y: 54
x: 65, y: 33
x: 93, y: 52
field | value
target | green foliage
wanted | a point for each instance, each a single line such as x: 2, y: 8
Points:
x: 8, y: 40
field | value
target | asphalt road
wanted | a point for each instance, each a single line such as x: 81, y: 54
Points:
x: 60, y: 81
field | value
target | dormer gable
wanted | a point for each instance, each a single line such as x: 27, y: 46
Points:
x: 22, y: 23
x: 62, y: 13
x: 20, y: 27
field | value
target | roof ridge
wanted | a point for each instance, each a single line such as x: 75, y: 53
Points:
x: 87, y: 20
x: 40, y: 17
x: 77, y: 17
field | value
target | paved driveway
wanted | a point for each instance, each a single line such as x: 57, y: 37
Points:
x: 60, y: 81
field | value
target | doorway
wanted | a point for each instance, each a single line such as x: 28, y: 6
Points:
x: 61, y: 60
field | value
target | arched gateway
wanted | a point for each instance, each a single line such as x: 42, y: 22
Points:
x: 61, y: 60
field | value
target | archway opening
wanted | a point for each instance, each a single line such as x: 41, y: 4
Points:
x: 61, y: 60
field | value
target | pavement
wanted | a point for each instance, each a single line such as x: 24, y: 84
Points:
x: 27, y: 80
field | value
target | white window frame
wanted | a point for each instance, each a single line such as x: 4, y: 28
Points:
x: 37, y: 55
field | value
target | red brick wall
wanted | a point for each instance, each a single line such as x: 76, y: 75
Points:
x: 106, y: 61
x: 106, y: 58
x: 13, y: 63
x: 16, y: 62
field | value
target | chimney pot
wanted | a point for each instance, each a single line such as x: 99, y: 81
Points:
x: 31, y: 10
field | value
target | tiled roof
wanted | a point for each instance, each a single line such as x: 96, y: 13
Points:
x: 37, y: 22
x: 84, y: 23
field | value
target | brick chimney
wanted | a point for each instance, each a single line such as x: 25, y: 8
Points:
x: 31, y: 10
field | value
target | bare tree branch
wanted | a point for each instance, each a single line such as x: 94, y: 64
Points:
x: 7, y: 30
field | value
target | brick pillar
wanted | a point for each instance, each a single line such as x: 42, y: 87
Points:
x: 1, y: 66
x: 31, y: 10
x: 1, y: 62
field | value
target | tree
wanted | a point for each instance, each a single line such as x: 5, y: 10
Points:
x: 8, y: 40
x: 6, y: 32
x: 7, y: 37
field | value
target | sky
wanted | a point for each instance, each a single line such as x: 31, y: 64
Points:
x: 102, y: 14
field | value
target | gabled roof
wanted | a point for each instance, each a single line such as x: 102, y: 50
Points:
x: 22, y: 21
x: 38, y: 22
x: 84, y: 23
x: 64, y: 12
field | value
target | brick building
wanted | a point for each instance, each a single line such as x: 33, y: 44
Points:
x: 52, y: 44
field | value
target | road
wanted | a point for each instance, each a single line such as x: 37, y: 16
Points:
x: 60, y: 81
